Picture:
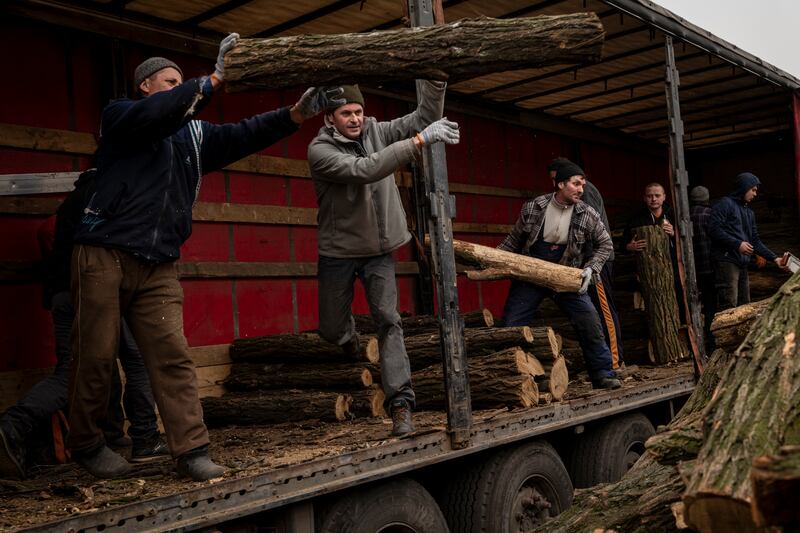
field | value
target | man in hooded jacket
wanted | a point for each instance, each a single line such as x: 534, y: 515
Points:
x: 734, y: 240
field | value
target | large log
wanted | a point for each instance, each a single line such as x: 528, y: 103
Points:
x: 448, y: 52
x: 298, y: 348
x: 555, y: 379
x: 340, y: 377
x: 271, y: 407
x: 502, y: 379
x: 776, y: 489
x: 499, y: 264
x: 731, y: 326
x: 425, y: 350
x: 419, y: 324
x: 658, y: 287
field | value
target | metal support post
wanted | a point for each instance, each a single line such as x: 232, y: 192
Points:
x: 679, y: 179
x: 440, y: 229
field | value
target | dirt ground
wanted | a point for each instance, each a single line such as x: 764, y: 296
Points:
x: 55, y: 492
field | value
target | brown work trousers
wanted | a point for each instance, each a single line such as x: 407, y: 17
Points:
x: 106, y: 285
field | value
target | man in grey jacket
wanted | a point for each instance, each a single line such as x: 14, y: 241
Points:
x: 361, y: 222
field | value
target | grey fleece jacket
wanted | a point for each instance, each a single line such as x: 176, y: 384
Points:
x: 360, y: 213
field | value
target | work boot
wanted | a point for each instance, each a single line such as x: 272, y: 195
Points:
x: 12, y: 453
x: 401, y: 418
x: 120, y: 445
x: 352, y: 348
x: 103, y: 463
x: 606, y: 383
x: 150, y: 450
x: 197, y: 465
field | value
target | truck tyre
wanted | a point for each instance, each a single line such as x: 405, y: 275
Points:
x: 513, y: 490
x: 605, y: 453
x: 399, y: 506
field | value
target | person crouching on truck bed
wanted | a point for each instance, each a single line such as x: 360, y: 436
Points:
x: 560, y: 228
x: 361, y: 222
x: 151, y: 158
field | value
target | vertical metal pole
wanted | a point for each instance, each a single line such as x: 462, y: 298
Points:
x: 440, y: 229
x: 680, y: 183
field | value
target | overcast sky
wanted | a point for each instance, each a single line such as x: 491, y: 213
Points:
x: 768, y: 29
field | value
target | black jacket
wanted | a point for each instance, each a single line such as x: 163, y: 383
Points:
x: 150, y: 162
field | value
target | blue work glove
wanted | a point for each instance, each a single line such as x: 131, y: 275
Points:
x: 224, y: 47
x: 442, y: 130
x: 317, y: 99
x: 586, y: 280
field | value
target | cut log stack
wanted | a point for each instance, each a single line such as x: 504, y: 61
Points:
x: 292, y: 377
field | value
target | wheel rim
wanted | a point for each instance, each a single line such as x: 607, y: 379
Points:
x: 536, y: 501
x: 398, y: 527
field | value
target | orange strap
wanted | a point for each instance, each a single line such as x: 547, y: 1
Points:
x: 59, y: 423
x: 609, y: 322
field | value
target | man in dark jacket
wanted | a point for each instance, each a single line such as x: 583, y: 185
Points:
x: 151, y: 158
x: 560, y: 228
x: 362, y: 221
x: 601, y: 292
x: 734, y: 240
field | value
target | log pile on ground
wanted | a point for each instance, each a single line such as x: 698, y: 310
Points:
x: 731, y: 326
x: 289, y: 377
x: 706, y: 470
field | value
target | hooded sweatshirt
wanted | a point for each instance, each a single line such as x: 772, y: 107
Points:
x: 733, y: 221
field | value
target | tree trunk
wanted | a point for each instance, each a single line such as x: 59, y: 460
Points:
x: 546, y: 345
x: 731, y: 326
x: 341, y: 376
x: 754, y: 412
x: 447, y: 52
x: 419, y: 324
x: 776, y: 489
x: 425, y: 350
x: 272, y: 407
x: 555, y: 379
x: 658, y: 287
x: 298, y: 348
x: 502, y: 379
x: 499, y: 264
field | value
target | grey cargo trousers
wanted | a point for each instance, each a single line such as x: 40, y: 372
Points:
x: 337, y: 278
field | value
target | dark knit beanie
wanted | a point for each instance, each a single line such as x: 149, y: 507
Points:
x: 148, y: 67
x: 699, y: 195
x: 566, y: 170
x: 351, y: 95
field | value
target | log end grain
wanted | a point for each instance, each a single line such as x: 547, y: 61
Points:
x: 366, y: 377
x: 558, y: 379
x: 527, y: 333
x: 371, y: 351
x: 527, y: 363
x: 342, y: 407
x: 488, y: 318
x: 710, y: 513
x: 529, y: 393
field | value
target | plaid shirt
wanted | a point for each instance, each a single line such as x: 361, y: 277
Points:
x: 701, y: 214
x: 585, y: 230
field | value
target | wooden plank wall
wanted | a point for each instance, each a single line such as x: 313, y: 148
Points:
x: 249, y: 267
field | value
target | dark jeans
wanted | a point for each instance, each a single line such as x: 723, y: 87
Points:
x: 524, y: 299
x: 108, y: 284
x: 50, y: 394
x: 603, y: 301
x: 336, y: 280
x: 732, y: 284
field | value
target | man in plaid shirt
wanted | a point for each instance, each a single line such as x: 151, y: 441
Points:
x: 704, y: 265
x: 560, y: 228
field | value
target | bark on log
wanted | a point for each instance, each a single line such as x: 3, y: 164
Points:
x: 753, y: 412
x: 298, y: 348
x: 447, y: 52
x: 731, y: 326
x: 419, y: 324
x: 555, y: 379
x: 499, y: 264
x: 776, y: 489
x: 502, y: 379
x: 271, y: 407
x: 658, y: 287
x: 425, y: 350
x: 366, y: 404
x: 341, y: 377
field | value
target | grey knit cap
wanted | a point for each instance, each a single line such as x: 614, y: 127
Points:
x: 698, y: 195
x: 148, y: 67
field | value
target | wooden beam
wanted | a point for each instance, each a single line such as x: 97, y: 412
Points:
x: 254, y: 214
x: 47, y: 140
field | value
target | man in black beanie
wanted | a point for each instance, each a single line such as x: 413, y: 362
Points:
x: 560, y: 228
x: 151, y: 158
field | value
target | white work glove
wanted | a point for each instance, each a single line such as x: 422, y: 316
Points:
x: 586, y: 280
x: 317, y: 99
x: 224, y: 47
x: 442, y: 130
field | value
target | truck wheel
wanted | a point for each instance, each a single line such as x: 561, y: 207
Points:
x: 513, y: 490
x: 400, y: 506
x: 604, y: 454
